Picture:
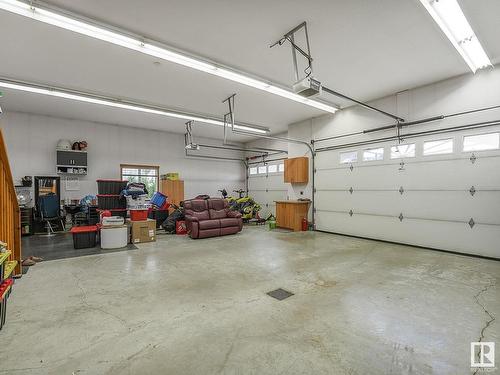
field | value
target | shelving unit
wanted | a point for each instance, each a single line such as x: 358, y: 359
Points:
x: 71, y: 162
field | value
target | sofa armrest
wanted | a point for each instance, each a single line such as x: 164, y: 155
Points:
x: 235, y: 214
x: 191, y: 218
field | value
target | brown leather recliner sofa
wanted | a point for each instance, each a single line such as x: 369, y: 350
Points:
x: 211, y: 218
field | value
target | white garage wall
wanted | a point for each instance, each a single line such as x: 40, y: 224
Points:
x: 462, y: 93
x: 31, y: 142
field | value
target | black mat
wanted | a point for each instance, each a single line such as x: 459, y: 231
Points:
x: 60, y: 246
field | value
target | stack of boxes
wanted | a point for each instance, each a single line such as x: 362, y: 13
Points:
x: 142, y: 229
x: 109, y: 198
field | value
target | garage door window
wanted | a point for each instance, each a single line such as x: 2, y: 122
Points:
x: 262, y: 169
x: 348, y: 157
x: 273, y: 168
x: 443, y: 146
x: 403, y: 151
x: 281, y: 168
x: 481, y: 142
x: 252, y: 171
x: 373, y: 154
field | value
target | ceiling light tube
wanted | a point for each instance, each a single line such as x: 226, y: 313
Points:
x: 92, y: 29
x: 451, y: 19
x: 117, y: 103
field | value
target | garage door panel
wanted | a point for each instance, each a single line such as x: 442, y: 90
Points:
x: 438, y: 205
x: 361, y: 202
x: 275, y: 181
x: 479, y: 240
x: 266, y: 189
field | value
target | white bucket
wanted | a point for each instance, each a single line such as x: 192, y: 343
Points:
x: 114, y: 237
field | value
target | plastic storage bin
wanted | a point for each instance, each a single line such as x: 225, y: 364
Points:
x: 158, y: 199
x: 111, y: 187
x: 138, y: 215
x: 119, y: 212
x: 84, y: 237
x: 140, y: 202
x: 106, y: 202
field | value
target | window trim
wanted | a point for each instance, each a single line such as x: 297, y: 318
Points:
x: 479, y: 134
x: 374, y: 148
x: 348, y: 152
x: 437, y: 140
x: 403, y: 157
x: 139, y: 166
x: 270, y: 165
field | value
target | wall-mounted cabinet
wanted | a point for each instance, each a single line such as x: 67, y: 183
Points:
x: 71, y: 162
x: 297, y: 170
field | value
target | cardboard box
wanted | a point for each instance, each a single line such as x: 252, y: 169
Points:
x: 142, y: 231
x: 174, y: 176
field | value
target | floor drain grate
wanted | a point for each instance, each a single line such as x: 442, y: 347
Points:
x: 280, y: 294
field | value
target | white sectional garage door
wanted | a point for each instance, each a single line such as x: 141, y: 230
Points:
x: 448, y: 199
x: 265, y: 185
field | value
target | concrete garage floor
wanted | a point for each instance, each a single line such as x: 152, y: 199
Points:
x: 180, y: 306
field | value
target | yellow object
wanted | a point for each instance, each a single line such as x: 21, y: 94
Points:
x: 4, y: 256
x: 174, y: 176
x: 9, y: 268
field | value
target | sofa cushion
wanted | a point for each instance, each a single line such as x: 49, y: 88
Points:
x: 197, y: 208
x: 217, y: 204
x: 217, y: 214
x: 209, y: 224
x: 210, y: 233
x: 229, y: 222
x: 217, y: 208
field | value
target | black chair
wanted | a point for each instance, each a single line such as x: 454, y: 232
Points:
x: 49, y: 211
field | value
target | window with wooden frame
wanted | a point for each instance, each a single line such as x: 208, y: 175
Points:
x: 147, y: 174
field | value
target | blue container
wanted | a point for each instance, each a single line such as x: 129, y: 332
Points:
x: 158, y: 199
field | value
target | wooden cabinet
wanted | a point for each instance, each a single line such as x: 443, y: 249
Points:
x: 289, y: 214
x: 173, y: 189
x: 297, y: 170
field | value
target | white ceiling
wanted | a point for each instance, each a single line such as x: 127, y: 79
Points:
x: 365, y: 48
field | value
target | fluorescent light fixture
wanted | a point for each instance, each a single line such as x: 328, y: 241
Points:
x: 451, y: 19
x: 116, y: 103
x: 91, y: 29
